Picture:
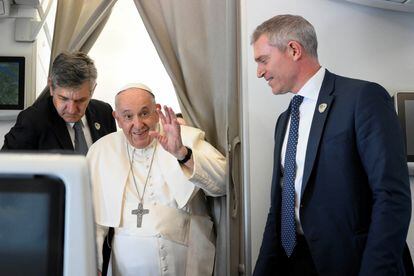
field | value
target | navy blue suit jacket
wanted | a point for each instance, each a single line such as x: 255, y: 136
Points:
x: 39, y: 127
x: 356, y: 203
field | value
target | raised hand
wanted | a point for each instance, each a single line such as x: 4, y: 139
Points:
x: 171, y: 138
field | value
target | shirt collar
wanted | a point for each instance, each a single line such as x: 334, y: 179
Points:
x: 312, y: 87
x: 83, y: 120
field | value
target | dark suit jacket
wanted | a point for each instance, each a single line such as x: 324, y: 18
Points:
x: 356, y: 204
x: 39, y: 127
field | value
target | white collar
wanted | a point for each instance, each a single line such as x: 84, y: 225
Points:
x: 83, y: 120
x: 144, y: 152
x: 312, y: 87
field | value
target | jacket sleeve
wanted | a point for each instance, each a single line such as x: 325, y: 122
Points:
x: 381, y: 148
x: 22, y: 136
x: 268, y: 261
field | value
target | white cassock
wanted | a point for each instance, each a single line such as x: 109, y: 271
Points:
x: 176, y: 236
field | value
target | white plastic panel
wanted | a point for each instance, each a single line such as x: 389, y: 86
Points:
x: 396, y: 5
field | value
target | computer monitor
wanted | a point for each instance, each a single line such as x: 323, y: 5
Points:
x: 404, y: 104
x: 12, y: 80
x: 46, y: 215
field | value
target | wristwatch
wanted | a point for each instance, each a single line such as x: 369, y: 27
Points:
x: 186, y: 157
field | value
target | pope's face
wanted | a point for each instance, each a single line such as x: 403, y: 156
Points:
x: 136, y: 114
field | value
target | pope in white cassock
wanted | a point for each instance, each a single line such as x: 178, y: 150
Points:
x: 149, y: 182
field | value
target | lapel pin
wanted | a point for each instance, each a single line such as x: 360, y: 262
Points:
x: 97, y: 126
x: 322, y: 107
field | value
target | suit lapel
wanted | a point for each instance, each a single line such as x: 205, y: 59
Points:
x: 277, y: 166
x: 317, y: 127
x: 279, y: 136
x: 59, y: 127
x: 94, y: 126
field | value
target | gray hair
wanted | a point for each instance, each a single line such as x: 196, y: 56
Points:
x: 281, y: 29
x: 71, y: 70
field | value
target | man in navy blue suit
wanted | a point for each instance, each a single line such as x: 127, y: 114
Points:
x: 340, y: 199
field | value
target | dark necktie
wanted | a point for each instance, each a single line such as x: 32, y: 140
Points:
x: 80, y: 142
x: 288, y: 224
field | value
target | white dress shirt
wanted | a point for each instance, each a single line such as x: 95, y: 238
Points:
x: 310, y: 93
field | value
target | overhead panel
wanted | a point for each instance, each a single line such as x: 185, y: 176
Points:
x: 395, y: 5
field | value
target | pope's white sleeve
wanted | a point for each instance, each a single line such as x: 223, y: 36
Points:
x: 209, y: 169
x: 101, y: 232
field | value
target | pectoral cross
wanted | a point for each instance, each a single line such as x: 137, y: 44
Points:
x: 140, y: 211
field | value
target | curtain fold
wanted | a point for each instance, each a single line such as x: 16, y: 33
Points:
x: 196, y: 41
x: 77, y: 26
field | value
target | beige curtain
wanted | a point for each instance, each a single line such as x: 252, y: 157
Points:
x: 77, y: 26
x: 196, y: 41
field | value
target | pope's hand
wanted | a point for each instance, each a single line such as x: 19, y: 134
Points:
x: 171, y: 138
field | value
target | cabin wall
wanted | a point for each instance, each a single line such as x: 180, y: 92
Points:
x: 9, y: 47
x: 37, y: 56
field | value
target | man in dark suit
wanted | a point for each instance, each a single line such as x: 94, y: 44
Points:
x: 340, y: 198
x: 48, y: 124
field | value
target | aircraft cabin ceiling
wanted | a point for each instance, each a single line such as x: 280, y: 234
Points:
x: 396, y: 5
